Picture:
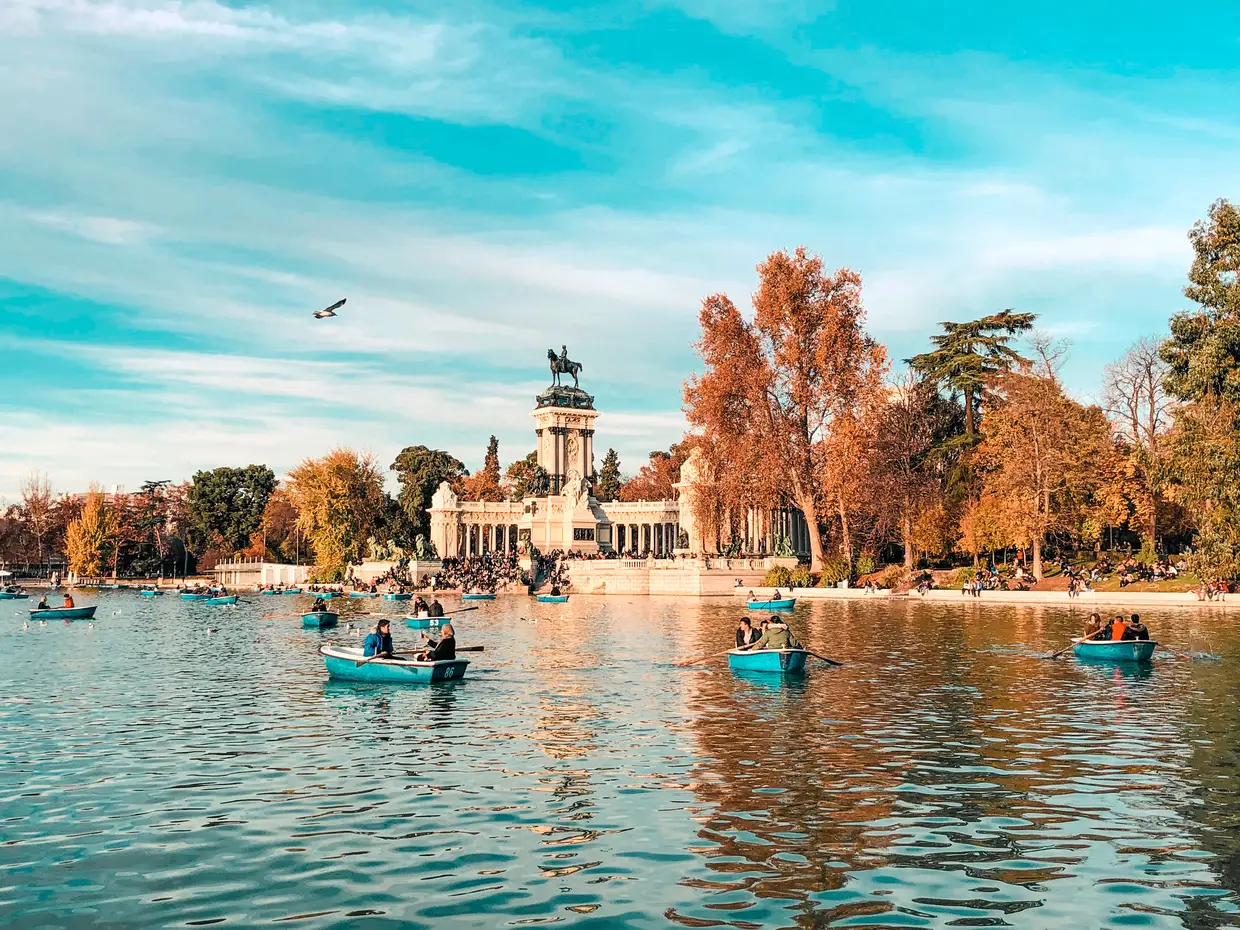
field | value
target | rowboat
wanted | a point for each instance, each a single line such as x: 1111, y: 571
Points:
x: 319, y: 619
x: 12, y: 595
x: 63, y: 613
x: 425, y: 623
x: 223, y: 600
x: 326, y: 595
x: 552, y: 598
x: 784, y: 603
x: 392, y: 596
x: 185, y: 596
x: 349, y: 664
x: 477, y: 597
x: 150, y: 592
x: 783, y: 661
x: 360, y: 594
x: 273, y: 592
x: 1127, y: 650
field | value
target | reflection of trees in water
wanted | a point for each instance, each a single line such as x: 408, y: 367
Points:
x: 927, y: 752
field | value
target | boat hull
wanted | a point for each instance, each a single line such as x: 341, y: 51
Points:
x: 151, y: 593
x: 63, y: 613
x: 326, y: 595
x: 784, y: 603
x: 357, y: 595
x: 320, y: 619
x: 195, y: 597
x: 552, y: 598
x: 777, y: 661
x: 12, y: 596
x: 1128, y: 650
x: 343, y: 663
x: 426, y: 623
x: 477, y: 597
x: 222, y: 601
x: 398, y: 597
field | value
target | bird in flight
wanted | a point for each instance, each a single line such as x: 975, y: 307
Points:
x: 329, y: 311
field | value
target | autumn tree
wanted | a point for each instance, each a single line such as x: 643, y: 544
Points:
x: 656, y: 479
x: 37, y: 510
x: 776, y: 383
x: 484, y: 484
x: 609, y: 479
x: 967, y: 355
x: 1043, y: 457
x: 420, y: 470
x: 523, y: 477
x: 89, y: 538
x: 340, y: 504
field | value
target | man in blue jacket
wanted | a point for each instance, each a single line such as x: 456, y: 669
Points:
x: 379, y: 643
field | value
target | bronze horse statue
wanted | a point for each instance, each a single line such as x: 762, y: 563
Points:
x: 562, y: 365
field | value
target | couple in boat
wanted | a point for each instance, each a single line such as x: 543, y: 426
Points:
x: 379, y: 643
x: 771, y: 634
x: 1117, y: 630
x: 44, y: 605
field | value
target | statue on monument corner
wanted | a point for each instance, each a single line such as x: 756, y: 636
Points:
x: 562, y: 365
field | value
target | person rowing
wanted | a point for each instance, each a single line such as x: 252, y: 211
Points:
x: 776, y: 636
x: 435, y: 609
x: 746, y: 635
x: 441, y: 651
x: 379, y: 641
x: 1094, y: 627
x: 320, y: 606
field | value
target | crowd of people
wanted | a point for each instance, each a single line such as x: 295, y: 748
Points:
x: 479, y: 574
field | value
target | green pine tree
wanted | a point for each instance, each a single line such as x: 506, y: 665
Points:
x: 609, y: 480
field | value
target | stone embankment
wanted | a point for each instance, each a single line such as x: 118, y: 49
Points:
x: 1088, y: 600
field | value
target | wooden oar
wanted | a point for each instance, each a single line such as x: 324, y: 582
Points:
x: 1182, y: 655
x: 1056, y: 655
x: 703, y: 658
x: 824, y: 659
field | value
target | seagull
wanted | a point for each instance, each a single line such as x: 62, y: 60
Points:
x: 213, y: 629
x: 90, y: 626
x: 26, y: 625
x: 329, y: 311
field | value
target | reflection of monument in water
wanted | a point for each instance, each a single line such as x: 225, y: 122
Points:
x: 561, y: 512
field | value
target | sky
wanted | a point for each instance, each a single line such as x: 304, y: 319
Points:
x: 183, y: 183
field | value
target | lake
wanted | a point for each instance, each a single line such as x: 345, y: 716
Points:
x: 155, y: 774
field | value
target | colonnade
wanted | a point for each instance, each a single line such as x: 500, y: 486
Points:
x: 478, y: 538
x: 658, y: 539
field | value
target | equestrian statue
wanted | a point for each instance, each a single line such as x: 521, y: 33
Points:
x: 562, y: 365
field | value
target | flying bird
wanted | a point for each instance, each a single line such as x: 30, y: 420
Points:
x: 330, y: 311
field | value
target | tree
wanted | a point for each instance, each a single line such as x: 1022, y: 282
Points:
x: 968, y: 354
x: 775, y: 384
x: 420, y: 471
x: 340, y: 503
x: 609, y: 478
x: 89, y: 538
x: 226, y: 505
x: 1043, y: 457
x: 524, y: 477
x: 37, y: 509
x: 1135, y: 397
x: 483, y: 485
x: 657, y: 478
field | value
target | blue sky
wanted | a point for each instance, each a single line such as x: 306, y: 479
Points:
x: 182, y: 184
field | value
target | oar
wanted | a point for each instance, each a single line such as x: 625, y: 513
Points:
x: 1182, y: 655
x: 703, y: 658
x: 824, y: 659
x: 1056, y: 655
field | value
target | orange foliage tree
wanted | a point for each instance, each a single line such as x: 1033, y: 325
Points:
x: 772, y: 387
x: 656, y: 479
x: 484, y: 484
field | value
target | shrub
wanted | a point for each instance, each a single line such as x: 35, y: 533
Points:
x: 865, y: 564
x: 778, y: 577
x: 892, y: 577
x: 963, y: 576
x: 800, y: 577
x: 834, y: 571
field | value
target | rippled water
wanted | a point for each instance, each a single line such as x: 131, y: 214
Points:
x: 155, y: 774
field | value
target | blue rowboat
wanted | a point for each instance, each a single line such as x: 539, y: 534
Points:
x: 149, y: 592
x: 12, y: 595
x: 348, y: 663
x: 784, y: 603
x: 781, y: 661
x: 397, y: 597
x: 319, y: 619
x: 63, y: 613
x: 326, y: 595
x: 477, y: 597
x: 425, y: 623
x: 552, y: 598
x: 1127, y: 650
x: 194, y: 597
x: 360, y: 594
x: 222, y: 601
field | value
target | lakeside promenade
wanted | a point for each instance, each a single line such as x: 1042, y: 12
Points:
x: 1087, y: 600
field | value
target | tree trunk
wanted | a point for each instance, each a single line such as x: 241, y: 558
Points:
x: 1153, y: 525
x: 810, y: 513
x: 906, y: 527
x: 1037, y: 558
x: 845, y: 534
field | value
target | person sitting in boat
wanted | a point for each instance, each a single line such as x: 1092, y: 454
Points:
x: 419, y: 607
x: 746, y: 635
x: 320, y: 605
x: 435, y: 609
x: 776, y: 596
x: 555, y: 590
x: 379, y: 642
x: 443, y: 650
x: 69, y: 600
x: 776, y: 636
x: 1137, y: 629
x: 43, y: 604
x: 1093, y: 626
x: 1119, y: 626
